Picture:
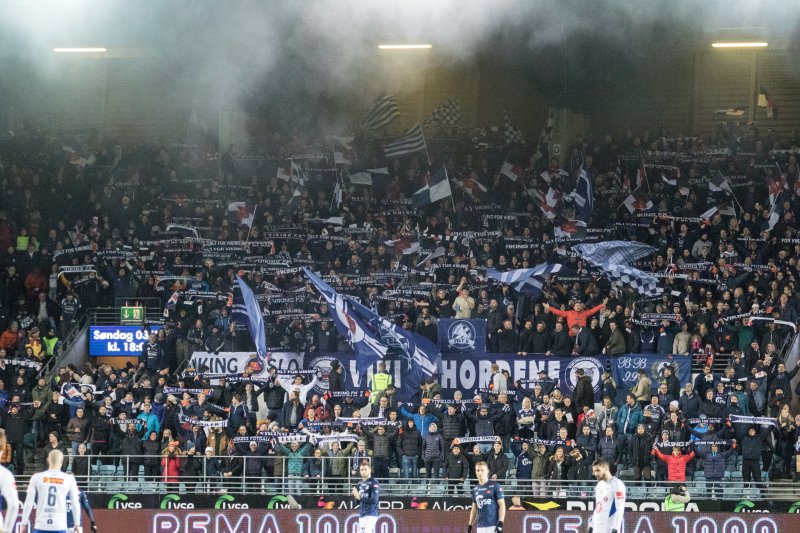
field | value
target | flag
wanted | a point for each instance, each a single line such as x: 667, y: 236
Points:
x: 551, y: 203
x: 437, y: 188
x: 719, y: 183
x: 775, y: 214
x: 732, y: 111
x: 343, y: 150
x: 527, y: 280
x: 512, y: 134
x: 173, y: 301
x: 291, y: 172
x: 512, y: 172
x: 243, y: 214
x: 584, y: 196
x: 765, y: 100
x: 336, y: 221
x: 338, y: 192
x: 413, y: 141
x: 636, y: 203
x: 255, y: 320
x: 438, y: 252
x: 364, y: 177
x: 775, y: 186
x: 710, y: 213
x: 470, y: 186
x: 671, y: 182
x: 372, y: 336
x: 447, y: 113
x: 613, y: 257
x: 570, y: 228
x: 382, y: 113
x: 641, y: 176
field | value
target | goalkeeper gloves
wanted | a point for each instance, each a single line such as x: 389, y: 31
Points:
x: 469, y: 528
x: 94, y: 527
x: 499, y: 527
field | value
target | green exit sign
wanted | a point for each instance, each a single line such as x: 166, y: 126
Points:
x: 131, y: 314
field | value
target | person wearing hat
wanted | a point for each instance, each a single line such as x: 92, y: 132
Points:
x: 714, y: 462
x: 215, y: 341
x: 547, y: 383
x: 171, y: 458
x: 641, y: 443
x: 336, y: 377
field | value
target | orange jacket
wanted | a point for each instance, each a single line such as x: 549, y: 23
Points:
x: 576, y: 317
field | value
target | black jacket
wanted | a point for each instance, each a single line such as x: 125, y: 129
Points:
x: 584, y: 393
x: 498, y: 464
x: 456, y: 466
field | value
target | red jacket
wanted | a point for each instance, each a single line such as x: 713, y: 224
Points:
x: 171, y: 468
x: 576, y: 317
x: 676, y: 466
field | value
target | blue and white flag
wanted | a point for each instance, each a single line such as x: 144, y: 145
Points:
x: 584, y: 197
x: 382, y: 113
x: 255, y: 319
x: 437, y: 188
x: 372, y: 337
x: 527, y: 280
x: 462, y: 335
x: 413, y: 141
x: 613, y: 258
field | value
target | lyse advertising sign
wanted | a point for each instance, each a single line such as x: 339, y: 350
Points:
x: 123, y: 341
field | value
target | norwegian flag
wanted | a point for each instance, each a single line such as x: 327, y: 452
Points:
x: 550, y: 205
x: 776, y: 185
x: 635, y: 202
x: 512, y: 172
x: 242, y: 213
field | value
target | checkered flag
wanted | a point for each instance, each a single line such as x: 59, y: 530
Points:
x: 614, y: 252
x: 447, y: 113
x: 512, y: 134
x: 642, y: 282
x: 613, y: 257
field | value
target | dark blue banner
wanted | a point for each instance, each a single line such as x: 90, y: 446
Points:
x: 458, y: 335
x: 625, y: 368
x: 469, y: 372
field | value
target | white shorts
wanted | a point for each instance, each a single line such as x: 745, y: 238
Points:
x: 489, y: 529
x: 366, y: 524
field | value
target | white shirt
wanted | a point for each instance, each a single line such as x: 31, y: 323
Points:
x: 49, y: 490
x: 609, y: 506
x: 8, y: 488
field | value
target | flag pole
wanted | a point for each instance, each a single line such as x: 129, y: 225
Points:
x: 251, y: 223
x: 447, y: 177
x: 425, y: 144
x: 500, y: 170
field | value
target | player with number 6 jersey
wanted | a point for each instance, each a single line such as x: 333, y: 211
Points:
x: 49, y: 490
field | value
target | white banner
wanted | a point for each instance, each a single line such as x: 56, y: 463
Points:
x: 236, y: 362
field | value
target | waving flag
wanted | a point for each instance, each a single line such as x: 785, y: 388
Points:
x: 447, y: 113
x: 343, y: 150
x: 613, y: 257
x: 413, y: 141
x: 243, y: 213
x: 437, y: 188
x: 765, y: 100
x: 512, y: 172
x: 372, y: 337
x: 382, y: 113
x: 527, y: 280
x: 255, y: 319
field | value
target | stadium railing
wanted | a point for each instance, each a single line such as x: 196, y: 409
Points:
x: 113, y: 473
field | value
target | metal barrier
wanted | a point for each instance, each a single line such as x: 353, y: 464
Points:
x: 114, y: 473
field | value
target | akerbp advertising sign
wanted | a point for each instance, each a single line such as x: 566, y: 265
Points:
x: 124, y: 341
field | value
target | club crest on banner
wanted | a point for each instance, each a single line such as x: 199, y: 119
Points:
x: 461, y: 336
x: 322, y: 363
x: 591, y: 366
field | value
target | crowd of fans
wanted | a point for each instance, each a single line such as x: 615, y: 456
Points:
x: 101, y: 226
